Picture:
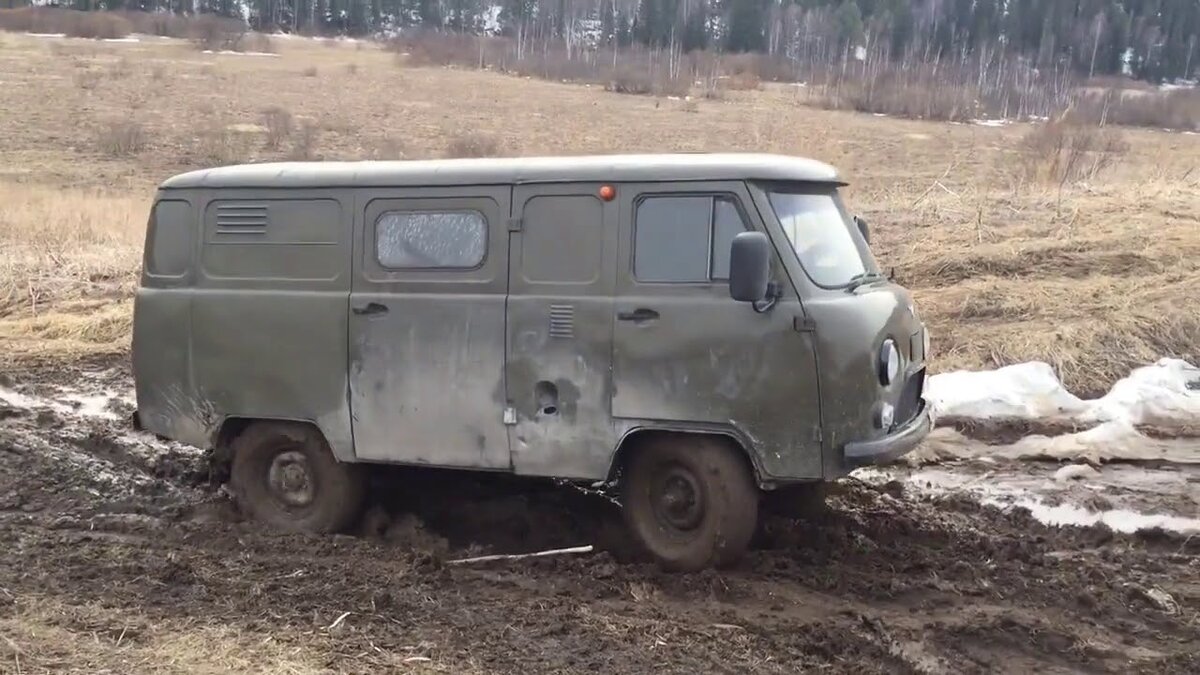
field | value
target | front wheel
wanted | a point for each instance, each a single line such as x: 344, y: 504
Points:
x: 285, y: 475
x: 690, y: 501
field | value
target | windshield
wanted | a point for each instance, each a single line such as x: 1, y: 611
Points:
x: 824, y: 237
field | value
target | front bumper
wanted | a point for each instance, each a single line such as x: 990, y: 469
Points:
x: 892, y: 446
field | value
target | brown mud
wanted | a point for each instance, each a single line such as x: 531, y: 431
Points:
x: 125, y: 535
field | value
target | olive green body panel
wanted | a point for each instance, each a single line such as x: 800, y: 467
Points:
x: 701, y: 357
x: 848, y: 327
x: 264, y: 323
x: 427, y: 345
x: 851, y: 389
x: 162, y: 352
x: 558, y: 375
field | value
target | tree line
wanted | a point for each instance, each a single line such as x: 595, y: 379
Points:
x: 1153, y: 40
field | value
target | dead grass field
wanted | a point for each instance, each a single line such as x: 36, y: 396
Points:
x: 1095, y: 275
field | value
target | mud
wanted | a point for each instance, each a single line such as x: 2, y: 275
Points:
x: 1006, y: 431
x: 111, y: 524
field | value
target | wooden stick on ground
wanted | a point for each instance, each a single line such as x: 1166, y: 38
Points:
x: 518, y: 556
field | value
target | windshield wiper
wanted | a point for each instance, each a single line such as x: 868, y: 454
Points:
x: 862, y: 278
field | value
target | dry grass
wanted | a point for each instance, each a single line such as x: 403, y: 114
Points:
x: 473, y: 145
x: 306, y: 140
x: 50, y: 636
x: 121, y: 138
x: 1063, y: 151
x: 68, y: 270
x: 278, y: 123
x: 1096, y: 273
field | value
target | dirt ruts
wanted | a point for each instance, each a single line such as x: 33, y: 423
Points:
x: 107, y: 531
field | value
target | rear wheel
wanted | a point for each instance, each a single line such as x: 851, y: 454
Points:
x: 285, y: 475
x: 690, y: 501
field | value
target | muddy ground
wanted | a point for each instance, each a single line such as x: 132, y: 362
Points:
x: 116, y: 549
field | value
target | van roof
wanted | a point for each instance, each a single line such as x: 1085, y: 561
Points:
x: 516, y: 170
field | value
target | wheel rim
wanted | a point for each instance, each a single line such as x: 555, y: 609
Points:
x: 677, y: 499
x: 290, y: 479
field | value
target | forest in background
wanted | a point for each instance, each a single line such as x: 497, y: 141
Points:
x: 930, y: 59
x: 1154, y: 40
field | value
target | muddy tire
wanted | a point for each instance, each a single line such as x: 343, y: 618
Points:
x: 284, y: 475
x: 690, y: 502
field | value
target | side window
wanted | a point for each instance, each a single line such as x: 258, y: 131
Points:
x: 431, y: 239
x: 170, y: 239
x: 684, y: 239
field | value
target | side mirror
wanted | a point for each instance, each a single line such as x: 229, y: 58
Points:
x: 749, y: 267
x: 862, y: 227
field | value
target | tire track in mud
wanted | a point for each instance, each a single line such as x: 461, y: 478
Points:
x: 886, y: 581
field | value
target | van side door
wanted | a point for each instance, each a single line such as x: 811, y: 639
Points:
x: 687, y: 355
x: 558, y: 377
x: 427, y: 326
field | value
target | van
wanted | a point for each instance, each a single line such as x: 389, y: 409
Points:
x: 698, y: 333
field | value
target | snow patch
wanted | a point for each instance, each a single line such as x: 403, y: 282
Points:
x: 1165, y: 396
x: 1026, y: 391
x: 68, y: 403
x: 1006, y: 492
x: 1075, y: 472
x: 233, y: 53
x: 1119, y: 520
x: 1105, y: 443
x: 47, y: 35
x: 1165, y: 393
x: 124, y: 39
x: 991, y: 123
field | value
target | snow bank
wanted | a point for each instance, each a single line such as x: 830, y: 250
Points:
x: 1026, y: 391
x: 1165, y: 395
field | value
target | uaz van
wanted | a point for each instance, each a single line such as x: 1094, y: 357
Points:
x: 696, y: 331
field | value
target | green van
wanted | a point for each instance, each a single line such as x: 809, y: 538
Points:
x: 697, y: 331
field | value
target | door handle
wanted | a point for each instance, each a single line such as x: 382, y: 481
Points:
x: 370, y: 308
x: 638, y: 315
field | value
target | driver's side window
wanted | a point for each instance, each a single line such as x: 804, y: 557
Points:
x: 684, y: 238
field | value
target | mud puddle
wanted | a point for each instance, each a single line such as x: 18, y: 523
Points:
x: 1125, y: 497
x: 122, y: 548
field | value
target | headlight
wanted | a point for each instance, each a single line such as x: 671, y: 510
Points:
x: 889, y: 362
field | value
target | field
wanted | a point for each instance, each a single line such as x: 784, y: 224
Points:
x: 1052, y: 242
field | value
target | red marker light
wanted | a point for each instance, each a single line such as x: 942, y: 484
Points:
x: 607, y: 192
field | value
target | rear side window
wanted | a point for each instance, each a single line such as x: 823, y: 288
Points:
x: 431, y: 239
x: 170, y: 244
x: 685, y: 239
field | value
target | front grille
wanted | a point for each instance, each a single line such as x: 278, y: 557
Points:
x: 910, y: 397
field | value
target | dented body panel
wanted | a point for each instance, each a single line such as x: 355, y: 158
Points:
x: 427, y: 345
x: 495, y: 315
